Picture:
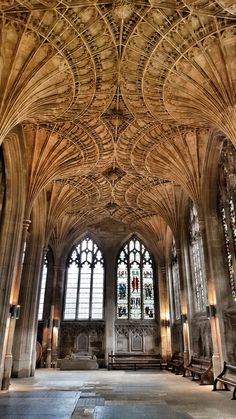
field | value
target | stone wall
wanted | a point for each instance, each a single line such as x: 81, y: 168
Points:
x: 141, y: 337
x: 201, y: 338
x: 75, y: 336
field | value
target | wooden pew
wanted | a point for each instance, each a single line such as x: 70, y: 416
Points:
x: 227, y: 377
x: 134, y: 361
x: 176, y: 363
x: 201, y: 369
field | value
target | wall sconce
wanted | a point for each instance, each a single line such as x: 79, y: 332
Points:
x: 165, y: 323
x: 211, y: 311
x: 56, y: 323
x: 184, y: 318
x: 46, y: 323
x: 14, y: 311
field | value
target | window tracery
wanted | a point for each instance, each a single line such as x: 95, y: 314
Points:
x: 135, y: 292
x: 176, y: 282
x: 198, y: 264
x: 43, y: 288
x: 84, y: 283
x: 227, y: 211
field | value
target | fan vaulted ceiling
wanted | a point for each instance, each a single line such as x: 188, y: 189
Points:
x: 117, y: 101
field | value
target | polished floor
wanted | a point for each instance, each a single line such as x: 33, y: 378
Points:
x: 102, y: 394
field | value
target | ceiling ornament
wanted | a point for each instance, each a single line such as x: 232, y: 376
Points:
x: 114, y: 174
x: 122, y: 9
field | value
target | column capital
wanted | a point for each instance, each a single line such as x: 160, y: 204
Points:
x: 58, y: 268
x: 45, y: 251
x: 178, y: 251
x: 26, y: 224
x: 202, y: 225
x: 163, y: 269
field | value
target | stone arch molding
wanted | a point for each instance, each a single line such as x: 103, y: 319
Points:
x: 52, y: 62
x: 200, y: 87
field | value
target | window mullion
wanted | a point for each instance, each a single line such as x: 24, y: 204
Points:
x: 78, y: 287
x: 141, y: 284
x: 91, y: 287
x: 128, y: 268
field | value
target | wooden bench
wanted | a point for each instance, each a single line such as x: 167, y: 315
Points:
x: 134, y: 361
x: 201, y: 369
x: 227, y: 377
x: 176, y: 363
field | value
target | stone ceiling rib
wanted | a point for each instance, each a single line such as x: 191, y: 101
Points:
x: 119, y: 103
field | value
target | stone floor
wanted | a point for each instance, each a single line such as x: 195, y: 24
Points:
x: 102, y: 394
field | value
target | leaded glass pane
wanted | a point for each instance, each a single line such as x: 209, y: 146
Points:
x: 198, y: 265
x: 97, y: 291
x: 122, y: 288
x: 85, y: 283
x: 229, y: 251
x: 148, y: 292
x: 43, y: 289
x: 71, y: 291
x: 135, y: 293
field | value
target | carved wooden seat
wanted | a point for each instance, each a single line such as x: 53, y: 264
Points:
x: 134, y: 361
x: 176, y: 363
x: 201, y: 369
x: 227, y: 377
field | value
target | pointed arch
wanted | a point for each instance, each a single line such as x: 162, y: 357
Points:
x: 84, y: 285
x: 135, y: 284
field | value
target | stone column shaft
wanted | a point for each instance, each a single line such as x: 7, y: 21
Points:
x: 26, y: 327
x: 14, y: 300
x: 164, y: 314
x: 210, y: 237
x: 110, y: 311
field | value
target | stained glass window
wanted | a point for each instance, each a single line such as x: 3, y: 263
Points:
x: 176, y: 282
x: 43, y: 288
x: 84, y: 283
x: 198, y: 264
x: 135, y: 293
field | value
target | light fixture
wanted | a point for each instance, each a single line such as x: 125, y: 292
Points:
x: 211, y: 311
x: 46, y: 323
x: 56, y: 323
x: 165, y: 323
x: 15, y: 311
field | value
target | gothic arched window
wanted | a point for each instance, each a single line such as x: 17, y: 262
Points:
x: 176, y: 282
x: 84, y: 283
x: 198, y: 265
x: 43, y: 288
x: 135, y: 292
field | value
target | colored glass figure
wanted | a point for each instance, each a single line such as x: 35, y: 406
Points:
x: 135, y: 284
x: 135, y: 295
x: 122, y: 290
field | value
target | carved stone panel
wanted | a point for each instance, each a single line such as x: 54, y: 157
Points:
x: 132, y: 337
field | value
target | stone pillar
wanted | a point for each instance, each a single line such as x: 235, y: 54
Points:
x: 184, y: 316
x: 50, y: 336
x: 26, y: 327
x: 110, y: 299
x: 58, y: 301
x: 14, y: 300
x: 213, y: 259
x: 10, y: 234
x: 164, y: 314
